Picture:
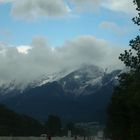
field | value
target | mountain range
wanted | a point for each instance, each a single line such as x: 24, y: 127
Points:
x: 80, y: 95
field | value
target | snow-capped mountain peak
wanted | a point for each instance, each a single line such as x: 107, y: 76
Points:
x: 84, y: 80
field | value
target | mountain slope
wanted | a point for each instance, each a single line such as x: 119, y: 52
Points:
x: 82, y: 95
x: 77, y: 82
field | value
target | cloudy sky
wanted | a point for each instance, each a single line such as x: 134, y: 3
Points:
x: 45, y: 36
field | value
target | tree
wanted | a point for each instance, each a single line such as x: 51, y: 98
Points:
x: 54, y: 125
x: 15, y: 124
x: 124, y: 109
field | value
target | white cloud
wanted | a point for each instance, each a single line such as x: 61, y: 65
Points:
x: 17, y: 64
x: 24, y: 49
x: 125, y: 6
x: 32, y: 9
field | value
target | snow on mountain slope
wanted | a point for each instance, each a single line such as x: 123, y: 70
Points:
x: 12, y: 86
x: 82, y: 94
x: 77, y: 81
x: 85, y: 80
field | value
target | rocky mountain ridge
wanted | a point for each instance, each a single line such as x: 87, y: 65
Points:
x: 82, y: 94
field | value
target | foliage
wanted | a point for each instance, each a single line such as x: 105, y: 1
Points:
x: 54, y: 125
x: 124, y: 109
x: 14, y: 124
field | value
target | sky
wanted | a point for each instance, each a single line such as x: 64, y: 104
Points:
x: 40, y: 37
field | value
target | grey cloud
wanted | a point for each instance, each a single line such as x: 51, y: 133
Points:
x: 32, y: 9
x: 25, y: 68
x: 5, y: 1
x: 90, y: 50
x: 40, y: 41
x: 114, y: 28
x: 86, y: 5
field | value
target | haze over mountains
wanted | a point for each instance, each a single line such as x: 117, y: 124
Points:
x: 80, y: 95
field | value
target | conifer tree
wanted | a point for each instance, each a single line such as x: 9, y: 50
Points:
x: 124, y: 109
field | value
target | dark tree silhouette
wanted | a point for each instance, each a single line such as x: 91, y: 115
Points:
x: 54, y: 125
x: 14, y: 124
x: 124, y: 109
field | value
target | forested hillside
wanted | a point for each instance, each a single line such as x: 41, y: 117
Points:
x: 14, y: 124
